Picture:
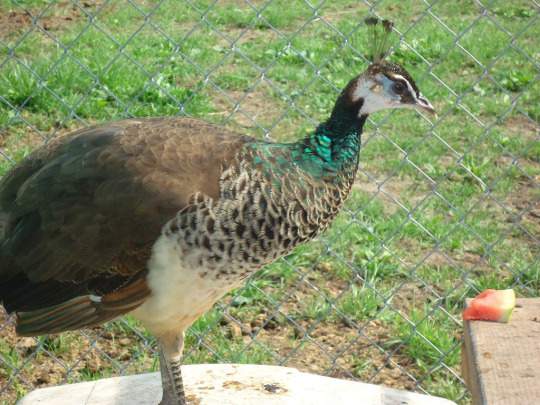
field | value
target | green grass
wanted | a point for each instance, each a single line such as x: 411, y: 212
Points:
x: 439, y: 187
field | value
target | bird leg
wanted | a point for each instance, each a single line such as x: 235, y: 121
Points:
x: 170, y: 359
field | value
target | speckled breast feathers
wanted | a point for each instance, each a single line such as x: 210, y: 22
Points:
x: 261, y: 215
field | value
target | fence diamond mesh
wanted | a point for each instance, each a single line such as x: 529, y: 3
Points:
x: 441, y: 208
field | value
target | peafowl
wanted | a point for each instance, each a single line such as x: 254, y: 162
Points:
x: 161, y: 217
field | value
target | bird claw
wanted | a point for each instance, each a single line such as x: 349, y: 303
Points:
x: 173, y: 401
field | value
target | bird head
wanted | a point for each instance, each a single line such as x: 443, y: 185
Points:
x: 386, y: 85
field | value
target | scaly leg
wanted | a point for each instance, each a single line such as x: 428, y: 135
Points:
x: 170, y: 359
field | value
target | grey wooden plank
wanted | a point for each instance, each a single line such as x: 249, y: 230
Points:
x: 501, y: 362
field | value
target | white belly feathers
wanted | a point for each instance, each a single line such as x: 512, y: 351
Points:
x: 179, y: 294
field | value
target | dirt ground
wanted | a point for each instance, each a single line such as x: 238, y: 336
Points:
x: 13, y: 23
x: 74, y: 356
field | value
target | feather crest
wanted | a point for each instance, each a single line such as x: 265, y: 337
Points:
x: 379, y: 35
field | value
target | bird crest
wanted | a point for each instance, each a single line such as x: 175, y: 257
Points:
x: 379, y: 35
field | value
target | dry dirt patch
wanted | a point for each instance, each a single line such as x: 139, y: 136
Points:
x: 394, y: 192
x: 525, y: 208
x: 246, y: 110
x: 334, y: 349
x: 13, y: 22
x: 328, y: 346
x: 466, y: 261
x: 523, y: 126
x: 51, y: 18
x: 239, y: 36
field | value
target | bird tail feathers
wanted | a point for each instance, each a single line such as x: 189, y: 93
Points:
x: 80, y: 312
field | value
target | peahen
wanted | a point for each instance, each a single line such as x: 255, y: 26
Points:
x: 161, y: 217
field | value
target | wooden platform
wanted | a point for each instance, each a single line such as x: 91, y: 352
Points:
x: 501, y: 362
x: 231, y: 384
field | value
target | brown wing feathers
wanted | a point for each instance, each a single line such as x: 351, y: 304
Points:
x: 78, y: 218
x: 83, y: 311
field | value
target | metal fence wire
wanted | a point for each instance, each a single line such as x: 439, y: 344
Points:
x: 442, y: 207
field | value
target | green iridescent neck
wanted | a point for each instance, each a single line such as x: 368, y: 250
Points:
x: 333, y: 147
x: 329, y: 152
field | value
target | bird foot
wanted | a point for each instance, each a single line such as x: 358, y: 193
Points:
x: 170, y: 360
x: 173, y: 402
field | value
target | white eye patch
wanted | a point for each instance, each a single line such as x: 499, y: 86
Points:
x: 409, y: 86
x: 377, y: 94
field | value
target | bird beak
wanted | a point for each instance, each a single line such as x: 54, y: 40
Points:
x: 424, y: 104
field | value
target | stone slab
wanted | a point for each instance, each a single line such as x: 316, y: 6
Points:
x: 230, y: 384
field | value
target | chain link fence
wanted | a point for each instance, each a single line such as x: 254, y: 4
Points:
x: 441, y: 208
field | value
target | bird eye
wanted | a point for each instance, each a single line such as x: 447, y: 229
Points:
x: 399, y: 88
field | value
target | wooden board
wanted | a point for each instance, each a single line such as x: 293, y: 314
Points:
x: 501, y: 362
